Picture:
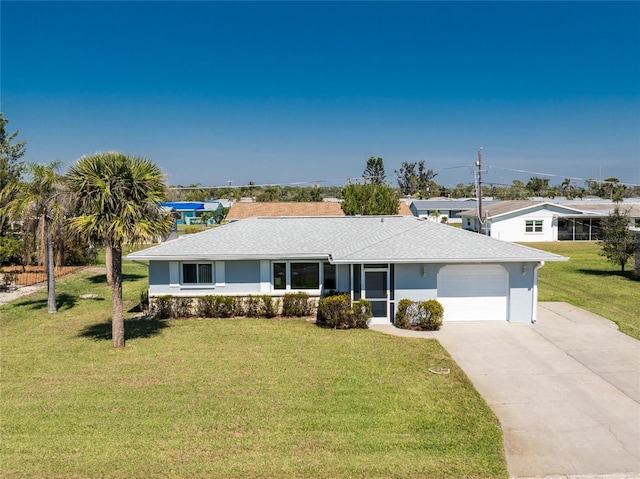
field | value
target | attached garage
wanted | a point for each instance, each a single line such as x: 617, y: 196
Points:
x: 474, y: 292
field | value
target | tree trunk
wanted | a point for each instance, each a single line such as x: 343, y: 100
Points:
x: 117, y: 313
x: 51, y: 272
x: 108, y: 262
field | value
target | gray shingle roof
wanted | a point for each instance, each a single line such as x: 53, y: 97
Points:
x: 342, y: 239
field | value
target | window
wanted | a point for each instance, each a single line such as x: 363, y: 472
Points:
x: 533, y: 226
x: 299, y: 276
x: 305, y: 275
x: 279, y: 275
x: 329, y: 276
x: 197, y: 273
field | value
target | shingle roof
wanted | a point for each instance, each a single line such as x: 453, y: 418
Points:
x: 577, y: 207
x: 342, y: 239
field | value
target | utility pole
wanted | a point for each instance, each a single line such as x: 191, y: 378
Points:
x: 479, y: 189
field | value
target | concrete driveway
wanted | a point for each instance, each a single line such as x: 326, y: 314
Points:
x: 566, y: 390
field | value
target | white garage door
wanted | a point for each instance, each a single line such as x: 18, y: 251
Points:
x: 473, y: 292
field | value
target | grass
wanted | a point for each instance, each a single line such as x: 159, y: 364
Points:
x: 228, y: 398
x: 590, y: 282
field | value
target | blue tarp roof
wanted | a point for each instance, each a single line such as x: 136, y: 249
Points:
x: 183, y: 205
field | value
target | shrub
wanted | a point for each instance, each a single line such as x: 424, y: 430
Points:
x: 337, y: 312
x: 401, y: 314
x: 182, y: 308
x: 433, y: 314
x: 269, y: 307
x: 425, y: 316
x: 163, y: 307
x: 333, y: 311
x: 296, y: 304
x: 225, y: 306
x: 251, y: 307
x: 206, y: 306
x: 144, y: 300
x: 216, y: 306
x: 360, y: 314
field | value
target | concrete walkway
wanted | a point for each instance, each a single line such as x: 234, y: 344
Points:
x: 566, y: 390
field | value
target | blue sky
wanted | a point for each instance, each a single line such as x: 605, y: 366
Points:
x: 306, y: 92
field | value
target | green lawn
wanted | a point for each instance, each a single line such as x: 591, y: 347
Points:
x: 228, y: 398
x: 588, y: 281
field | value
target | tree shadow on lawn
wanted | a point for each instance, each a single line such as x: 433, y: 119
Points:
x: 628, y: 274
x: 64, y: 302
x: 133, y: 329
x: 102, y: 278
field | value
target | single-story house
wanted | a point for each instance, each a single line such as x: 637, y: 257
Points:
x: 190, y: 212
x: 379, y: 258
x: 443, y: 210
x: 534, y: 221
x: 240, y: 211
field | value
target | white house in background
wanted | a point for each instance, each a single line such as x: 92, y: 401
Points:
x: 438, y: 210
x: 536, y: 221
x: 379, y: 258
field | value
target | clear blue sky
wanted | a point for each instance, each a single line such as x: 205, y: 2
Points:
x: 306, y: 92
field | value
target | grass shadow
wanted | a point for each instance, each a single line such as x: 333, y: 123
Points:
x: 604, y: 273
x: 132, y: 330
x: 102, y: 278
x: 64, y: 302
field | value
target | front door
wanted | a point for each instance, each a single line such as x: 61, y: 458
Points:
x: 376, y: 290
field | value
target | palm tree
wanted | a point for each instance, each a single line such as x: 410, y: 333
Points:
x: 118, y: 200
x: 39, y: 202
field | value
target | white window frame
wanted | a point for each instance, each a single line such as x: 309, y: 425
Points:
x: 537, y: 226
x: 198, y: 283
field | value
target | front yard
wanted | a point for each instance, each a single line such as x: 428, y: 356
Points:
x: 228, y: 398
x: 588, y: 281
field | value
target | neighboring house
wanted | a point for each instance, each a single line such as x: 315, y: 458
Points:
x: 536, y: 221
x: 240, y: 211
x: 190, y: 212
x: 380, y: 258
x: 438, y: 210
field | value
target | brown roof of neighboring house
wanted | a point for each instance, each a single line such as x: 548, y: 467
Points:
x: 240, y: 211
x: 404, y: 209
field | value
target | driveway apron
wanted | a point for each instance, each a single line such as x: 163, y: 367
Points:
x: 566, y: 389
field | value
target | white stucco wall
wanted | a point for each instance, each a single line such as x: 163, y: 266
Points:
x: 512, y: 228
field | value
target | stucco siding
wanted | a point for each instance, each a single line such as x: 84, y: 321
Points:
x: 521, y: 289
x: 342, y: 277
x: 417, y: 282
x: 241, y: 277
x: 513, y: 228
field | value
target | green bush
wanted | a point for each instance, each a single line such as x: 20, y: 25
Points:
x: 333, y: 311
x: 216, y: 306
x: 337, y: 312
x: 401, y: 314
x: 433, y: 314
x: 251, y: 307
x: 269, y: 306
x: 182, y: 307
x: 11, y: 250
x: 163, y: 307
x: 360, y: 314
x: 296, y: 305
x: 424, y: 316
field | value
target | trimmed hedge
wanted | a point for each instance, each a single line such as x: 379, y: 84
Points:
x: 422, y: 316
x: 337, y: 312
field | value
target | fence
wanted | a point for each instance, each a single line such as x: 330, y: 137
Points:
x: 14, y: 277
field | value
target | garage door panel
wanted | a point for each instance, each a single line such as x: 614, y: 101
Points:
x: 473, y: 292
